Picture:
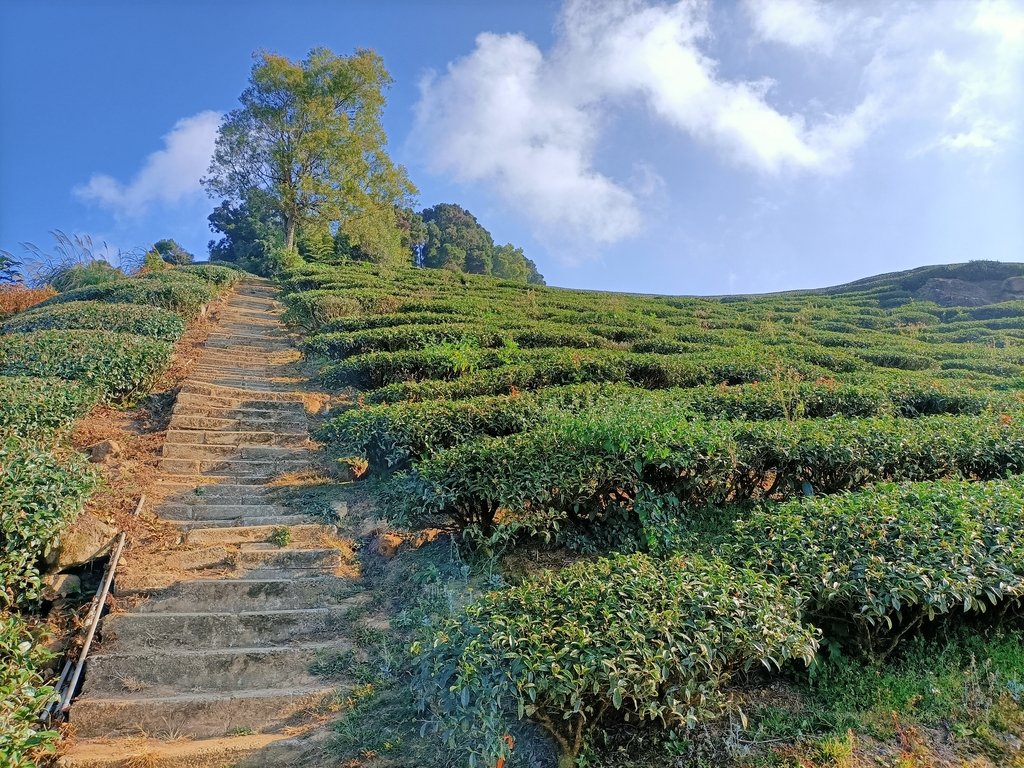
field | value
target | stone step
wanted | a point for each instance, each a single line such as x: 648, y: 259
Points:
x: 300, y: 535
x: 206, y: 452
x: 274, y: 521
x: 183, y: 492
x: 228, y: 595
x: 250, y: 469
x: 237, y: 402
x: 283, y: 425
x: 130, y: 632
x: 196, y: 715
x: 190, y: 670
x: 223, y: 437
x: 275, y: 749
x: 241, y: 393
x: 226, y: 511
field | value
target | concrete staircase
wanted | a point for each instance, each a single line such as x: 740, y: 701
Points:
x: 206, y: 662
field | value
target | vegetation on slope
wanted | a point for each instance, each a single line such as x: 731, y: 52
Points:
x: 860, y: 450
x: 103, y: 341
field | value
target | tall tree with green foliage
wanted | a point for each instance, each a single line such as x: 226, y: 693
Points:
x: 452, y: 238
x: 309, y: 138
x: 172, y: 253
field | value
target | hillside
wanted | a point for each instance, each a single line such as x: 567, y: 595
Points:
x: 720, y: 484
x: 971, y: 284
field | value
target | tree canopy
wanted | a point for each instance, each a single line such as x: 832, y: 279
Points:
x: 452, y: 238
x: 172, y: 253
x: 308, y: 140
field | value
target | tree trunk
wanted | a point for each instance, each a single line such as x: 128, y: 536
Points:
x: 289, y: 234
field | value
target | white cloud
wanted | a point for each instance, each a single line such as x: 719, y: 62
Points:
x: 797, y: 23
x: 167, y: 176
x: 527, y: 124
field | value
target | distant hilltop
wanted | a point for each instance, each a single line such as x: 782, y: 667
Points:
x: 971, y: 284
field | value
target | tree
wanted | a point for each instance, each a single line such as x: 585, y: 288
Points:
x: 250, y: 232
x: 9, y: 273
x: 172, y: 253
x: 309, y: 138
x: 452, y: 238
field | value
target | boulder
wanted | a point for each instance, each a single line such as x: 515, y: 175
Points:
x: 385, y: 544
x: 83, y: 542
x: 62, y: 585
x: 103, y: 450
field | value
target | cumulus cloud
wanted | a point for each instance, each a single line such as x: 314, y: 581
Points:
x: 797, y: 23
x: 169, y: 175
x: 527, y: 123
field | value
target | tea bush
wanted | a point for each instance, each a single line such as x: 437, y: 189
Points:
x: 648, y: 640
x: 581, y: 467
x: 95, y: 315
x: 43, y: 492
x: 42, y: 408
x: 23, y: 693
x: 186, y: 297
x: 876, y: 563
x: 118, y: 365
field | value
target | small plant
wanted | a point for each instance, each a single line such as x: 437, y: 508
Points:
x: 281, y: 536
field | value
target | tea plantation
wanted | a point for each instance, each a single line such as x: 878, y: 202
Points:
x: 105, y: 343
x: 743, y: 482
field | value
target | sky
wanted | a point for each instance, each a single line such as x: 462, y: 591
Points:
x: 663, y: 147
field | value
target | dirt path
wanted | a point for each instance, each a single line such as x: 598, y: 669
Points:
x: 205, y: 661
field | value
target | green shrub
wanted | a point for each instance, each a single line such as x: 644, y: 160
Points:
x: 876, y: 563
x: 648, y: 640
x: 219, y: 275
x: 118, y: 365
x: 41, y: 408
x: 23, y: 694
x: 97, y: 315
x: 96, y: 272
x: 310, y: 310
x: 585, y: 467
x: 185, y: 296
x: 42, y: 494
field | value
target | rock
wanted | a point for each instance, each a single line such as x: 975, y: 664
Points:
x: 104, y: 450
x: 62, y: 585
x: 386, y: 544
x: 84, y: 541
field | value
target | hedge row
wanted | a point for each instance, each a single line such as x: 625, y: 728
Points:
x: 95, y: 315
x: 589, y: 465
x: 42, y: 494
x: 118, y: 365
x: 39, y: 409
x: 533, y: 369
x: 649, y: 640
x: 876, y: 562
x: 391, y: 436
x: 186, y: 297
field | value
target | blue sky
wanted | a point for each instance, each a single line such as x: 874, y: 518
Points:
x: 679, y: 147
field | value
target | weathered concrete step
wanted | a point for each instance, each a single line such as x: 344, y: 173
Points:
x: 254, y: 386
x: 273, y: 521
x: 177, y: 491
x: 211, y: 511
x: 192, y: 387
x: 284, y: 425
x: 223, y: 437
x: 182, y: 671
x: 205, y: 452
x: 240, y: 629
x: 250, y: 469
x: 235, y: 400
x: 299, y: 535
x: 233, y: 595
x: 198, y: 715
x: 134, y: 752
